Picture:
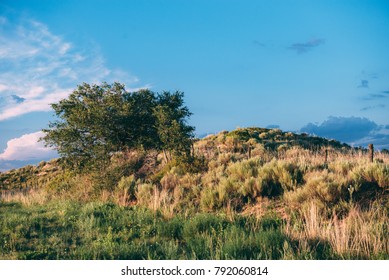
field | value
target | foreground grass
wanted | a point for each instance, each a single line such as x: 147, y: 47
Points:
x: 97, y: 230
x: 70, y: 230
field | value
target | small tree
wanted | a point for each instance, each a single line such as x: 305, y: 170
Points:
x: 96, y: 121
x: 83, y: 133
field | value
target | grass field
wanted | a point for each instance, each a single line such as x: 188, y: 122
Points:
x: 71, y: 230
x: 270, y: 201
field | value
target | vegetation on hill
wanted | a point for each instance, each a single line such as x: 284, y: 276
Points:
x: 283, y: 203
x: 96, y: 121
x: 251, y: 193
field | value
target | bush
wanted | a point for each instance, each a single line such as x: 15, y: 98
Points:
x: 375, y: 173
x: 193, y: 164
x: 61, y: 183
x: 369, y: 181
x: 328, y: 188
x: 341, y: 167
x: 245, y: 181
x: 276, y: 177
x: 239, y: 171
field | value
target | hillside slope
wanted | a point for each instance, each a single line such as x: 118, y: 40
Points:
x: 250, y: 142
x: 246, y: 194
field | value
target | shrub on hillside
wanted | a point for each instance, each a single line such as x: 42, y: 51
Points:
x: 246, y: 180
x: 375, y: 173
x: 342, y: 167
x: 61, y: 183
x: 279, y: 176
x: 342, y: 183
x: 193, y: 164
x: 369, y: 181
x: 241, y: 170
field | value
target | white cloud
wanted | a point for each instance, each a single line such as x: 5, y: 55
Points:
x: 33, y: 105
x: 43, y: 68
x: 27, y: 147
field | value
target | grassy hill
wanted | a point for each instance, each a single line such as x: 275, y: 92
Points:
x: 246, y: 194
x: 239, y: 141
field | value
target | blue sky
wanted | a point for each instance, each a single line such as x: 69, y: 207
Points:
x: 314, y: 66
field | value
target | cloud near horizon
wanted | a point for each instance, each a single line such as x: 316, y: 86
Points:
x: 27, y: 148
x: 39, y: 68
x: 301, y: 48
x: 352, y: 130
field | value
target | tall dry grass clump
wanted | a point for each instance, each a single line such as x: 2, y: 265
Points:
x: 360, y: 234
x: 26, y: 197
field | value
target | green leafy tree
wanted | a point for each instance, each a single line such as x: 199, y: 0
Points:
x: 96, y: 121
x: 174, y: 134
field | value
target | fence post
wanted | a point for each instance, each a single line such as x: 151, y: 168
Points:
x: 371, y: 152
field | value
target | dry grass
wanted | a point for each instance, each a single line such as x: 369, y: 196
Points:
x: 360, y: 234
x: 26, y: 197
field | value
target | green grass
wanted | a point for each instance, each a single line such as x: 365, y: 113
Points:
x: 96, y: 230
x: 71, y: 230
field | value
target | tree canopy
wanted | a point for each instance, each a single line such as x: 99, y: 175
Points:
x: 96, y: 121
